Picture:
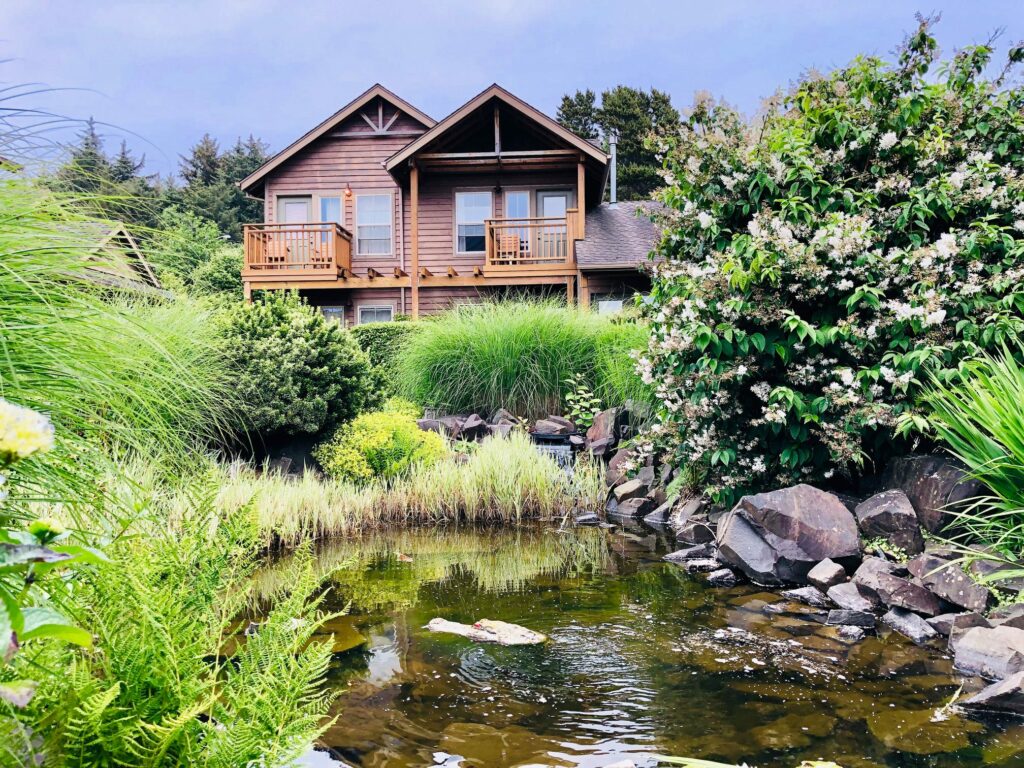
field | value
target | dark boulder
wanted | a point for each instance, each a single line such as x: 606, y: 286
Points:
x: 841, y: 616
x: 587, y: 518
x: 826, y: 575
x: 501, y: 416
x: 701, y: 565
x: 722, y: 577
x: 630, y: 489
x: 896, y: 592
x: 910, y: 625
x: 690, y: 553
x: 660, y: 514
x: 473, y: 428
x: 889, y: 515
x: 500, y: 430
x: 616, y: 471
x: 949, y: 581
x: 689, y: 522
x: 635, y: 507
x: 1008, y: 616
x: 1006, y: 696
x: 810, y: 595
x: 562, y: 422
x: 994, y: 653
x: 944, y: 623
x: 549, y: 426
x: 777, y: 537
x: 853, y: 597
x: 603, y: 433
x: 935, y: 486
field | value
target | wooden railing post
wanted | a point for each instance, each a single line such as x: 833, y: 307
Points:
x: 489, y: 242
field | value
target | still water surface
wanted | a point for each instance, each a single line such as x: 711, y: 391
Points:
x: 643, y: 660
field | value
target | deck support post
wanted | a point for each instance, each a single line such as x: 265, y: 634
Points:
x: 247, y: 291
x: 414, y: 203
x: 581, y: 199
x: 584, y: 292
x: 570, y: 290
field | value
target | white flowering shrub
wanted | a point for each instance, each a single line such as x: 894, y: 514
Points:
x: 821, y: 265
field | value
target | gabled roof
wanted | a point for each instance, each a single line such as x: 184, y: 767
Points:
x: 495, y: 91
x: 336, y: 119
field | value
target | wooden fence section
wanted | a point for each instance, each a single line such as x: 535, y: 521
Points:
x: 531, y: 242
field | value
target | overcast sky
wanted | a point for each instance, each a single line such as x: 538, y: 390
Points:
x: 166, y: 72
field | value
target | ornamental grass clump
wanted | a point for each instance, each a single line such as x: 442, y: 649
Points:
x: 517, y: 355
x: 980, y: 416
x: 821, y: 266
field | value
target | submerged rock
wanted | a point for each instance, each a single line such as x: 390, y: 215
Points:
x: 862, y: 619
x: 778, y: 537
x: 809, y: 595
x: 1005, y: 696
x: 690, y: 553
x: 889, y: 515
x: 489, y: 631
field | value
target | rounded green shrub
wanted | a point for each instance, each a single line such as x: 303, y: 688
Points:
x: 820, y: 268
x: 298, y: 372
x: 382, y: 444
x: 382, y: 342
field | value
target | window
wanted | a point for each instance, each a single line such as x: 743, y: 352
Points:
x: 330, y: 209
x: 517, y: 204
x: 376, y: 314
x: 334, y: 314
x: 373, y: 225
x: 609, y: 306
x: 471, y: 210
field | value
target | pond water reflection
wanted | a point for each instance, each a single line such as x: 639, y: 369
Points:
x: 644, y: 659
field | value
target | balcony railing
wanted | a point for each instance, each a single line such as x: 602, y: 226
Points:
x: 312, y: 250
x: 532, y: 242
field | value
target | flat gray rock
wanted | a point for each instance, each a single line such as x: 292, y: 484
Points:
x: 809, y: 595
x: 841, y: 616
x: 489, y: 631
x: 910, y: 625
x: 853, y: 597
x: 950, y: 582
x: 992, y: 652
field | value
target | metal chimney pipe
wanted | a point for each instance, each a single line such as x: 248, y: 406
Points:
x: 613, y: 143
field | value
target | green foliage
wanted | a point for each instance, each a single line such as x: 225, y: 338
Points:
x: 296, y: 371
x: 171, y: 682
x: 383, y: 444
x: 822, y: 266
x: 113, y: 373
x: 634, y: 115
x: 582, y: 405
x: 382, y: 343
x: 513, y: 354
x: 221, y: 275
x: 211, y: 183
x: 183, y: 243
x: 980, y: 416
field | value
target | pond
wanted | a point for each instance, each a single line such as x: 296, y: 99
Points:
x: 643, y: 660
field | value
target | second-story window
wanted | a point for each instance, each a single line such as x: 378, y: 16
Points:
x: 373, y: 225
x: 471, y: 210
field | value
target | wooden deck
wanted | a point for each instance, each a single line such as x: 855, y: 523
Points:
x: 313, y: 251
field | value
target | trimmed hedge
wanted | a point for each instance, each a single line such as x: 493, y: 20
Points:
x: 382, y: 343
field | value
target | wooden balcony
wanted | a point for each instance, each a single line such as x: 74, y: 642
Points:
x: 536, y: 244
x: 308, y: 251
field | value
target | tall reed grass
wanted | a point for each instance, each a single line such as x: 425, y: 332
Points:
x: 517, y: 355
x: 503, y: 481
x: 980, y: 415
x: 116, y: 372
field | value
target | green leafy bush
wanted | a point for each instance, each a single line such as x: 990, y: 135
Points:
x: 514, y: 354
x: 383, y: 444
x: 820, y: 266
x: 382, y: 343
x: 299, y: 372
x: 221, y: 275
x: 183, y: 243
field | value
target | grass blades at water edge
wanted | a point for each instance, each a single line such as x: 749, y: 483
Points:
x: 502, y: 481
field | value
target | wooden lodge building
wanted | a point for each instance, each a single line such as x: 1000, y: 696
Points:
x: 380, y: 211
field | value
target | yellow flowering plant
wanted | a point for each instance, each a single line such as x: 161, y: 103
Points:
x: 28, y: 554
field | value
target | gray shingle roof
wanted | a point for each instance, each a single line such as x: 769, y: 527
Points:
x: 620, y: 235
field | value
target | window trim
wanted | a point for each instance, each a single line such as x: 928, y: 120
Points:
x: 376, y: 308
x: 455, y: 219
x: 356, y: 194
